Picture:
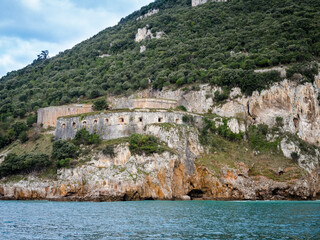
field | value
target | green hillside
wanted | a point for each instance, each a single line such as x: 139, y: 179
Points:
x: 216, y: 43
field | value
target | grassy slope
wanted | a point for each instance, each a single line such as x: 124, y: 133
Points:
x: 267, y: 164
x: 43, y: 145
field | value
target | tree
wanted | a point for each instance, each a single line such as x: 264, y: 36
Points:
x: 100, y: 105
x: 63, y: 149
x: 43, y: 55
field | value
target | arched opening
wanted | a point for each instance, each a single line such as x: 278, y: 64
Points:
x: 140, y: 119
x: 195, y: 193
x: 95, y: 121
x: 84, y: 123
x: 107, y: 120
x: 63, y: 125
x: 160, y: 119
x: 121, y: 120
x: 74, y: 124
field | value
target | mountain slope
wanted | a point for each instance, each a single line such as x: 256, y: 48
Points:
x: 220, y: 43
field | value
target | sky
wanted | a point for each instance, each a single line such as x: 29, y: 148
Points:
x: 29, y: 26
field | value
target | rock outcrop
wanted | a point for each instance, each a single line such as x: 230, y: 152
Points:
x: 148, y: 14
x: 199, y: 2
x: 144, y: 33
x: 297, y: 105
x: 168, y: 175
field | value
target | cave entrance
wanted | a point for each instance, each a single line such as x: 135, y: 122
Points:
x: 195, y: 193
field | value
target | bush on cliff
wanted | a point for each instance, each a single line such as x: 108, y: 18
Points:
x: 63, y: 149
x: 257, y: 135
x: 109, y: 151
x: 64, y: 163
x: 100, y: 105
x: 84, y: 137
x: 14, y: 164
x: 147, y: 144
x: 223, y: 130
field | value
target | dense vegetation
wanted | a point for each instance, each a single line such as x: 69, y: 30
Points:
x: 147, y: 144
x: 14, y: 164
x: 217, y: 43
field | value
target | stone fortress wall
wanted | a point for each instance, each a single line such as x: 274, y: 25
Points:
x: 48, y: 116
x: 148, y: 102
x: 113, y: 125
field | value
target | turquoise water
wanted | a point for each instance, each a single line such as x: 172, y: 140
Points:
x: 159, y: 220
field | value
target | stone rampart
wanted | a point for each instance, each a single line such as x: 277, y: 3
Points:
x: 131, y: 103
x: 113, y: 125
x: 48, y: 116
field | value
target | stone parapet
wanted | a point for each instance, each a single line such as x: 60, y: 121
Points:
x: 48, y: 116
x: 113, y: 125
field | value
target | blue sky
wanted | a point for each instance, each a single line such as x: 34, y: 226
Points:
x: 29, y: 26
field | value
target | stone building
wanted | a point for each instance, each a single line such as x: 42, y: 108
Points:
x: 118, y: 124
x: 48, y: 116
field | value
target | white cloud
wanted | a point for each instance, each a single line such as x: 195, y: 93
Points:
x: 32, y: 4
x: 54, y: 25
x: 19, y: 52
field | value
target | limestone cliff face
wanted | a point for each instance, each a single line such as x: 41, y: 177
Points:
x: 199, y: 2
x: 297, y: 104
x: 169, y: 175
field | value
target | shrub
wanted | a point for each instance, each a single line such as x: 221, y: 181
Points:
x: 258, y: 140
x: 295, y: 156
x: 63, y: 149
x: 23, y: 137
x: 100, y: 105
x: 84, y: 137
x: 109, y: 151
x: 188, y: 119
x: 181, y: 108
x: 219, y: 97
x: 14, y: 164
x: 64, y: 163
x: 144, y: 144
x: 279, y: 121
x: 31, y: 119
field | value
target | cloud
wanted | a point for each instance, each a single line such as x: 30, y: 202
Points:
x: 32, y: 4
x: 29, y: 26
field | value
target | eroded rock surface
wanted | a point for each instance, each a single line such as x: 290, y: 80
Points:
x: 168, y: 175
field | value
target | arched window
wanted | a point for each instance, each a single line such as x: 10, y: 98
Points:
x: 121, y: 120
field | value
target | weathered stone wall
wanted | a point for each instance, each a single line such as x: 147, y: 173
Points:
x: 154, y: 103
x: 296, y: 103
x: 115, y: 125
x: 48, y: 116
x: 131, y: 102
x: 199, y: 2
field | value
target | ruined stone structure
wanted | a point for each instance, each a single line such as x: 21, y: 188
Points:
x: 199, y: 2
x: 131, y: 103
x: 48, y: 116
x: 113, y: 125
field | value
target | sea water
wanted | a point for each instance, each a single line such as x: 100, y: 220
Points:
x: 159, y: 220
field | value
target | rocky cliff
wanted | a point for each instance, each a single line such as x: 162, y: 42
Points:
x: 190, y: 170
x: 174, y: 174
